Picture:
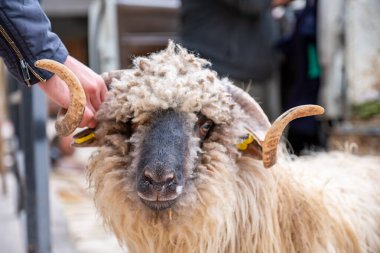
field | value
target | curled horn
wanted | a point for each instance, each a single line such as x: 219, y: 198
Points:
x: 274, y: 133
x: 68, y: 119
x: 260, y: 123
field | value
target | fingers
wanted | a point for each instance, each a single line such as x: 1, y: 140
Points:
x: 96, y: 95
x: 95, y: 101
x: 95, y: 89
x: 92, y: 83
x: 88, y: 119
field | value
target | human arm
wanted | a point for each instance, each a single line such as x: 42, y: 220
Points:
x: 25, y: 38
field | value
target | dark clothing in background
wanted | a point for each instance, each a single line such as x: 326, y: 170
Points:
x: 300, y: 78
x: 237, y: 36
x: 24, y: 23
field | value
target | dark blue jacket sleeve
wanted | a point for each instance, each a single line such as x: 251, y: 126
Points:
x: 25, y: 37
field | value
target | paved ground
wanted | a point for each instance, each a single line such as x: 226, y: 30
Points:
x: 85, y: 226
x: 76, y: 227
x: 12, y: 230
x: 11, y: 235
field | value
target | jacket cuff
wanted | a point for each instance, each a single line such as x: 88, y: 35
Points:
x: 60, y: 56
x: 25, y: 37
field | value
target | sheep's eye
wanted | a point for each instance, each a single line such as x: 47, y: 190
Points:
x: 205, y: 127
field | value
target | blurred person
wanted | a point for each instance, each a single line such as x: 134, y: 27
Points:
x: 237, y: 37
x: 300, y: 78
x: 242, y: 40
x: 25, y: 37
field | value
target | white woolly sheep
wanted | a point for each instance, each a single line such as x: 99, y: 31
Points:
x: 168, y: 175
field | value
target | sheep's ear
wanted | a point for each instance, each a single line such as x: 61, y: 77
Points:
x: 265, y: 138
x: 266, y: 150
x: 250, y: 146
x: 257, y: 122
x: 86, y: 138
x: 273, y: 135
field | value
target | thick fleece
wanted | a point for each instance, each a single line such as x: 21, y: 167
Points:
x: 230, y: 203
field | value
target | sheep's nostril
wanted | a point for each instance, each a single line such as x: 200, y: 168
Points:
x: 159, y: 177
x: 168, y: 177
x: 148, y: 177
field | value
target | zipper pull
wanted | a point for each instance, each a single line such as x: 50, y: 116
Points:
x: 25, y: 71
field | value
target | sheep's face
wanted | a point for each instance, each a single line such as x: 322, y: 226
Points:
x: 160, y: 157
x: 163, y: 158
x: 163, y: 154
x: 157, y: 128
x: 163, y: 163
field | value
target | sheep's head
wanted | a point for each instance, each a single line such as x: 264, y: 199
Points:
x: 168, y: 125
x: 161, y: 117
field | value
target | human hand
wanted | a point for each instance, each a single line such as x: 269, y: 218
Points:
x: 93, y: 86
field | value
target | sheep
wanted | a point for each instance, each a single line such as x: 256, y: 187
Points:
x: 186, y: 162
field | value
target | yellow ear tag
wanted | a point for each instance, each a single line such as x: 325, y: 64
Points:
x: 244, y: 145
x: 84, y: 138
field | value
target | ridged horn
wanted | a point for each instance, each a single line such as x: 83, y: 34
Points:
x: 274, y: 133
x: 68, y: 119
x: 258, y: 121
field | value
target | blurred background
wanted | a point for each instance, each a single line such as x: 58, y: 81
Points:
x: 283, y: 53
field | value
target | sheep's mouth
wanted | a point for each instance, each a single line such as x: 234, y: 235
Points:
x: 159, y: 205
x: 158, y: 201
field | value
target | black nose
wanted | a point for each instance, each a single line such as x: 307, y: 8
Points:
x: 159, y: 176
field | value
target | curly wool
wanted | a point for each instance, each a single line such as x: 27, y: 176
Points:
x: 169, y: 79
x: 230, y: 202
